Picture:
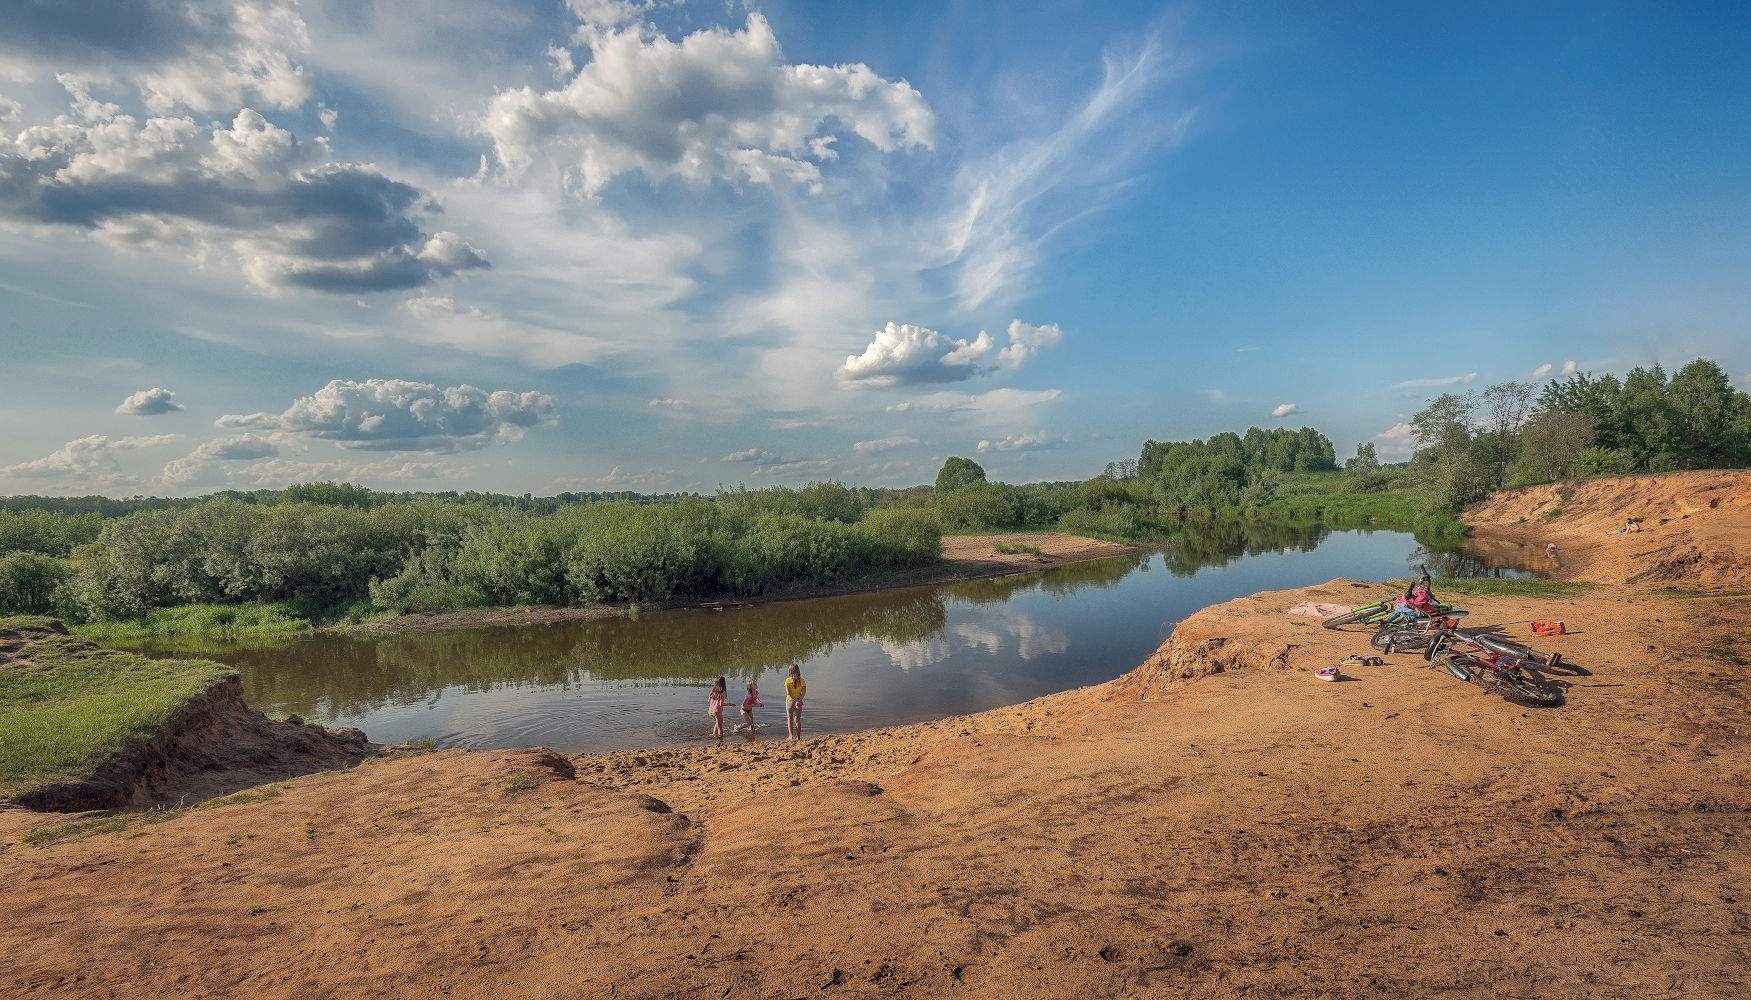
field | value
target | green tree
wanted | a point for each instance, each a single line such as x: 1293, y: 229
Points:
x: 958, y: 473
x: 1507, y: 406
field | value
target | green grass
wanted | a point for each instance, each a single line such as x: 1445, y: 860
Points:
x: 200, y: 619
x: 68, y: 707
x: 1511, y: 588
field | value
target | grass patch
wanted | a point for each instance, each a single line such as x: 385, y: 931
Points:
x: 222, y: 620
x: 1511, y: 588
x: 68, y: 707
x: 519, y: 781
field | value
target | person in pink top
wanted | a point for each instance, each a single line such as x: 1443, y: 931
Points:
x: 749, y: 703
x: 714, y: 706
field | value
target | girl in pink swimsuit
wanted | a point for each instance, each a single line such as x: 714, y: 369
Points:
x: 714, y: 706
x: 751, y: 702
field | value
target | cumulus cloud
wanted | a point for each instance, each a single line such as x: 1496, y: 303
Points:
x: 1542, y: 370
x: 1449, y: 380
x: 903, y: 354
x: 148, y: 403
x: 205, y: 55
x: 240, y: 448
x: 396, y: 415
x: 1037, y: 441
x: 1285, y: 409
x: 249, y: 191
x: 1025, y: 341
x: 718, y: 104
x: 87, y: 459
x: 1568, y: 367
x: 880, y: 445
x: 751, y: 455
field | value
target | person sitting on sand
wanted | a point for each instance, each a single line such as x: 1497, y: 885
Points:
x: 714, y: 706
x: 794, y: 687
x: 751, y: 702
x: 1629, y: 525
x: 1550, y: 550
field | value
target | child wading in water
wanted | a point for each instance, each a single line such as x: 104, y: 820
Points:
x: 751, y: 702
x: 714, y: 706
x: 794, y: 686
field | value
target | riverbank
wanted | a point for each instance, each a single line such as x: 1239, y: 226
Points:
x: 964, y: 557
x: 1215, y: 823
x: 1694, y: 528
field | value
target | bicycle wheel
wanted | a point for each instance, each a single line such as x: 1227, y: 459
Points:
x: 1517, y: 688
x: 1352, y: 616
x: 1399, y: 638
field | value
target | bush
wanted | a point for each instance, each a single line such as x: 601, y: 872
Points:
x: 32, y: 583
x: 1598, y: 461
x: 978, y: 507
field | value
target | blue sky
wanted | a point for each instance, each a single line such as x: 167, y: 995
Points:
x: 534, y: 247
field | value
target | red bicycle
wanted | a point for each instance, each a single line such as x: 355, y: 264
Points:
x: 1497, y: 666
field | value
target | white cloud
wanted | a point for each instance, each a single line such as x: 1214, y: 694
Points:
x: 89, y: 459
x: 999, y: 406
x: 149, y: 402
x: 1243, y: 350
x: 1285, y: 409
x: 718, y: 104
x: 903, y: 354
x: 1449, y: 380
x: 206, y: 55
x: 1037, y: 441
x: 668, y: 404
x: 880, y: 445
x: 396, y: 415
x: 240, y: 448
x: 1006, y: 210
x: 751, y: 455
x: 794, y: 466
x: 1568, y: 367
x: 249, y: 192
x: 1025, y: 341
x: 437, y: 319
x: 1542, y: 370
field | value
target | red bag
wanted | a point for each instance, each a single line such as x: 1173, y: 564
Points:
x: 1549, y: 628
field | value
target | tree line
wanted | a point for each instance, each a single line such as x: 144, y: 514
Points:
x: 1519, y: 434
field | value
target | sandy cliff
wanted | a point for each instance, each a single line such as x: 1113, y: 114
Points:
x: 1696, y: 527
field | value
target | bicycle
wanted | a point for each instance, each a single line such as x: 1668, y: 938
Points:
x: 1418, y: 603
x: 1496, y: 665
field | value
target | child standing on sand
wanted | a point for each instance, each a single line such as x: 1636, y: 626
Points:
x: 794, y: 687
x: 714, y: 706
x: 751, y: 702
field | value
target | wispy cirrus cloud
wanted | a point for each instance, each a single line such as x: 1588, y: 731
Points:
x: 1424, y: 382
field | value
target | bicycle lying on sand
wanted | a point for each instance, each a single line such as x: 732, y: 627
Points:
x: 1416, y: 604
x: 1497, y: 666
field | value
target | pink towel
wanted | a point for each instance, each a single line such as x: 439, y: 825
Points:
x: 1314, y: 609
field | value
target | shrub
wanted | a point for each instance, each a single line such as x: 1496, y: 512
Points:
x: 32, y: 583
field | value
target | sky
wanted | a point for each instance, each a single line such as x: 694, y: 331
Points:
x: 589, y: 245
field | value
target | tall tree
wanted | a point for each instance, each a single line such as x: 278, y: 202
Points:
x: 958, y: 473
x: 1445, y: 425
x: 1507, y: 406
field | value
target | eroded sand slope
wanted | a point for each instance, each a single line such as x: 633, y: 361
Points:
x: 1248, y: 832
x: 1696, y: 527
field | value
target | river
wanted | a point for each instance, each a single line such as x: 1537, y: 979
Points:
x: 876, y: 659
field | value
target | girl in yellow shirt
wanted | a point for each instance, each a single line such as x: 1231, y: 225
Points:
x: 794, y: 687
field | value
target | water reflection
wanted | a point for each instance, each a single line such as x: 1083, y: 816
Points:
x: 871, y: 659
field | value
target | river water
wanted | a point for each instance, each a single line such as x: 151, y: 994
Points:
x: 871, y: 660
